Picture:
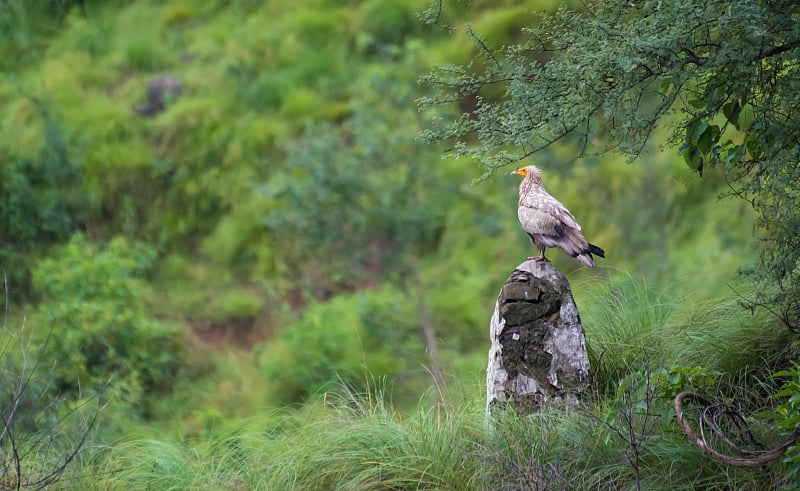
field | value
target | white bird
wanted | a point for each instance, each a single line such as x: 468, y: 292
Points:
x: 548, y: 223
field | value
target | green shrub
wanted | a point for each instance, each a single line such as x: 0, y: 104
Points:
x: 375, y: 195
x: 91, y: 34
x: 38, y: 197
x: 144, y: 53
x: 317, y: 27
x: 177, y: 14
x: 238, y: 304
x: 26, y: 26
x: 100, y: 331
x: 41, y: 201
x: 789, y: 423
x: 343, y: 340
x: 383, y: 23
x: 260, y: 88
x: 41, y: 439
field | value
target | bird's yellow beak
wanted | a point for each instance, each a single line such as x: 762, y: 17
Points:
x: 520, y: 172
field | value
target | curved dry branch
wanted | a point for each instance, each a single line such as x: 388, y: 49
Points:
x: 763, y: 458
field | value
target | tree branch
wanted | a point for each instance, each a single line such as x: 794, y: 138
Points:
x: 776, y: 50
x: 763, y: 459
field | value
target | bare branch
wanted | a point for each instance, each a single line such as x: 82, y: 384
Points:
x: 764, y: 458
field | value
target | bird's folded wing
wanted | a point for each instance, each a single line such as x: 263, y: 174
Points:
x: 546, y: 216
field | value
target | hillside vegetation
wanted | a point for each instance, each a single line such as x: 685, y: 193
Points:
x: 232, y: 292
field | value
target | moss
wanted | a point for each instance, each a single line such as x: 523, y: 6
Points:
x: 528, y: 298
x: 529, y: 306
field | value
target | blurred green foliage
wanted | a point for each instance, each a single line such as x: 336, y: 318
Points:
x: 41, y: 202
x: 354, y: 193
x: 359, y: 441
x: 275, y: 231
x: 789, y: 421
x: 383, y: 24
x: 349, y: 340
x: 716, y: 88
x: 101, y: 337
x: 43, y: 429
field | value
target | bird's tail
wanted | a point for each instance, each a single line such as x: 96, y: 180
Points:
x: 593, y: 249
x: 586, y: 259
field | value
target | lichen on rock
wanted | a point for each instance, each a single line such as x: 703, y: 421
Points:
x: 538, y: 354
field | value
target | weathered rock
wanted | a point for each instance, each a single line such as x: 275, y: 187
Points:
x: 538, y: 354
x: 160, y: 90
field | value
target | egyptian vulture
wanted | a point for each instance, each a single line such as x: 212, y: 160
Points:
x: 548, y: 223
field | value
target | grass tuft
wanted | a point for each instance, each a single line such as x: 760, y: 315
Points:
x: 630, y: 325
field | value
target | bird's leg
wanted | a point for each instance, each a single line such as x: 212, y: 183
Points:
x: 541, y: 251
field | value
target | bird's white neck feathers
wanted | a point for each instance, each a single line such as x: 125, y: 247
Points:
x: 532, y: 180
x: 534, y: 174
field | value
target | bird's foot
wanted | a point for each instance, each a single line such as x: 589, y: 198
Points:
x: 537, y: 258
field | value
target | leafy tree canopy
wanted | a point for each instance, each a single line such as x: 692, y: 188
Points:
x: 721, y: 76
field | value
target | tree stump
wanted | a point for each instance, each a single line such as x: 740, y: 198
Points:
x: 538, y: 355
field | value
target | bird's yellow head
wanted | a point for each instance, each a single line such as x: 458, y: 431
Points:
x: 524, y: 171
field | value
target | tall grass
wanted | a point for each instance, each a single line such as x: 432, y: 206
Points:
x: 630, y: 325
x: 346, y: 440
x: 359, y: 442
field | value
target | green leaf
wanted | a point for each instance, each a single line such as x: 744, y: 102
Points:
x: 707, y: 138
x: 693, y: 158
x: 734, y: 155
x: 698, y: 103
x: 696, y: 130
x: 667, y: 415
x: 753, y: 147
x: 731, y: 110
